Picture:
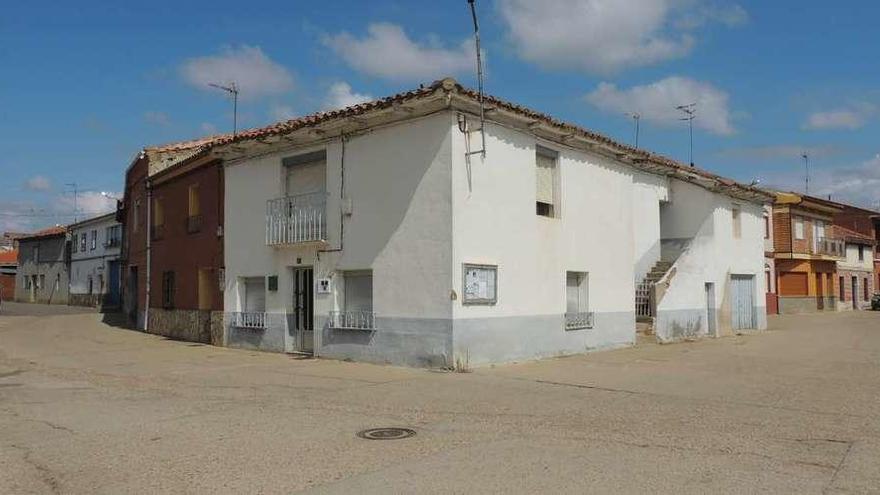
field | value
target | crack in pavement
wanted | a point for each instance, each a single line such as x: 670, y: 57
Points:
x: 47, y: 476
x: 838, y: 468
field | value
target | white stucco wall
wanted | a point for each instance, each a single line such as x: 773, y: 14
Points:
x: 495, y: 223
x: 91, y: 262
x: 397, y: 180
x: 649, y: 191
x: 713, y: 254
x: 852, y: 259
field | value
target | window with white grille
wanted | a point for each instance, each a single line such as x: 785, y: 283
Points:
x: 577, y: 301
x: 480, y: 284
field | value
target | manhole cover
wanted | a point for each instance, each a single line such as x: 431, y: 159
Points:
x: 386, y: 433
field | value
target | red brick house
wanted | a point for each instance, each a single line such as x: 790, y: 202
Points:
x: 8, y: 271
x: 173, y: 253
x: 863, y: 227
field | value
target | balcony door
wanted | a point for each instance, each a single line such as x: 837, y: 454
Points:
x: 306, y: 174
x: 818, y: 234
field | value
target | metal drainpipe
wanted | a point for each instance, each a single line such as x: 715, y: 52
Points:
x: 149, y: 234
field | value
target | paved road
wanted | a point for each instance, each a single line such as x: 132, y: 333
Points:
x: 88, y: 408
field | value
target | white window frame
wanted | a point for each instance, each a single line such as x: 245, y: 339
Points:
x: 799, y: 228
x: 477, y: 301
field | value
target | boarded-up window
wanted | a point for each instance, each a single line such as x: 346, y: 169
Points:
x: 576, y: 292
x: 358, y: 291
x: 793, y: 284
x: 255, y: 294
x: 737, y: 222
x: 545, y: 182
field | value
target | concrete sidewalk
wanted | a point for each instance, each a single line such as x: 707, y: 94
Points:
x: 88, y: 408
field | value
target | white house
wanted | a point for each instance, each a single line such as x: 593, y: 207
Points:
x: 391, y: 232
x: 94, y: 261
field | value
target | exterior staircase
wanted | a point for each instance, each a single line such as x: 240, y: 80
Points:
x: 645, y: 304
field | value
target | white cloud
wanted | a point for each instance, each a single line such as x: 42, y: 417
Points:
x: 656, y: 102
x: 857, y: 184
x: 779, y: 152
x: 281, y: 112
x: 699, y: 15
x: 38, y: 183
x: 157, y: 118
x: 208, y: 128
x: 255, y: 74
x: 88, y: 203
x: 387, y: 52
x: 841, y: 118
x: 340, y: 95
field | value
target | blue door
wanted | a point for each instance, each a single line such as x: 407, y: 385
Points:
x: 113, y: 281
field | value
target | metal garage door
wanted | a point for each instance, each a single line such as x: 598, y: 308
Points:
x: 742, y: 301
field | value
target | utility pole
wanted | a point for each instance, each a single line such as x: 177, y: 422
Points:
x: 636, y: 116
x: 806, y: 173
x: 232, y: 89
x: 75, y: 194
x: 690, y: 112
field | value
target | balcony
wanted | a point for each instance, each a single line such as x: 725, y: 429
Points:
x: 829, y: 246
x: 296, y: 219
x: 252, y: 320
x: 353, y: 320
x: 577, y: 321
x: 193, y: 224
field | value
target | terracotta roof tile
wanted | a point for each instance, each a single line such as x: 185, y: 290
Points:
x: 9, y: 256
x: 49, y: 232
x: 851, y: 235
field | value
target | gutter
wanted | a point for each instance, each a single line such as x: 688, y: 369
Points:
x: 149, y: 233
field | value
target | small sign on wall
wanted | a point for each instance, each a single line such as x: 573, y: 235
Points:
x: 323, y: 286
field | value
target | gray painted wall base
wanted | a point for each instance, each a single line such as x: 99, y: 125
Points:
x: 808, y: 304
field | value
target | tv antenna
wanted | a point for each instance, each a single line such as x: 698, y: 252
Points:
x: 473, y: 7
x: 806, y: 158
x: 232, y: 89
x: 690, y: 112
x: 636, y: 116
x: 75, y: 194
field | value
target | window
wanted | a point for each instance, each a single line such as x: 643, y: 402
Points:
x: 74, y: 244
x: 480, y: 284
x: 167, y: 290
x: 82, y: 242
x: 158, y: 212
x: 767, y: 280
x: 113, y: 236
x: 842, y: 289
x: 766, y: 227
x: 194, y: 211
x: 136, y: 219
x: 94, y: 239
x: 798, y: 228
x: 42, y: 284
x: 545, y: 182
x: 358, y: 292
x: 577, y: 304
x: 254, y: 295
x: 861, y: 253
x: 737, y: 222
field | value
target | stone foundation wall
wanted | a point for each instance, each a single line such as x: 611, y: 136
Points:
x: 181, y: 324
x: 218, y: 329
x: 89, y: 300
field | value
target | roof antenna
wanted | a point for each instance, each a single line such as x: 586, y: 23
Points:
x: 233, y: 90
x: 690, y: 112
x: 636, y: 116
x: 806, y: 158
x: 473, y: 7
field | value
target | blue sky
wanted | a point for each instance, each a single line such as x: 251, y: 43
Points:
x: 87, y: 84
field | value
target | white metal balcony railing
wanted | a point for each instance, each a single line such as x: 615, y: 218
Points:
x: 295, y: 219
x: 249, y: 320
x: 575, y: 321
x: 353, y: 320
